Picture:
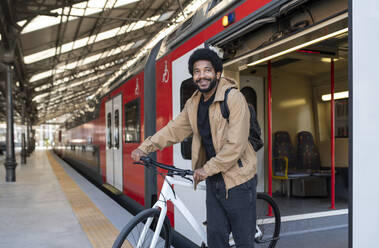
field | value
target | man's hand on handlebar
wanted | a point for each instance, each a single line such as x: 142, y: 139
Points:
x: 137, y: 154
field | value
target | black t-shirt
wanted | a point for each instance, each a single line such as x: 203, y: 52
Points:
x: 204, y: 127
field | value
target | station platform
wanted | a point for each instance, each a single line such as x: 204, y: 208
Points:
x: 51, y: 205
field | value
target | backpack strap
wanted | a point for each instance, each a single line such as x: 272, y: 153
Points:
x: 224, y: 104
x: 225, y: 112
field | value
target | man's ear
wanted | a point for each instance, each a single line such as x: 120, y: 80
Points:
x: 218, y: 75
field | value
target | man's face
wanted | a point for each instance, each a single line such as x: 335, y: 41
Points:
x: 204, y: 74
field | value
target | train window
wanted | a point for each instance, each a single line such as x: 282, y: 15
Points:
x: 109, y: 122
x: 251, y: 97
x: 132, y: 122
x: 341, y: 118
x: 214, y: 3
x: 186, y: 90
x: 117, y: 129
x: 180, y: 30
x: 186, y: 24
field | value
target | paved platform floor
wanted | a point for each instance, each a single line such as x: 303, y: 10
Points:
x: 36, y: 212
x: 334, y: 238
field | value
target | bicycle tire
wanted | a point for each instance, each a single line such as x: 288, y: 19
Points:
x: 268, y: 225
x: 131, y: 232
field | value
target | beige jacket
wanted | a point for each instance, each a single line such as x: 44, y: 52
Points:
x: 230, y: 140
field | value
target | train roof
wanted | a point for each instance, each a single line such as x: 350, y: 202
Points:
x: 210, y: 10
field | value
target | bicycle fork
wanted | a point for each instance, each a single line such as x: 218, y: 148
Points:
x: 162, y: 205
x: 158, y: 228
x: 167, y: 194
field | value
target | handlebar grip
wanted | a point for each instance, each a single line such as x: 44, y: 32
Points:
x: 145, y: 159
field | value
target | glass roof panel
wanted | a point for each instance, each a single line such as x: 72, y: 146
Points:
x: 85, y: 41
x: 37, y: 98
x: 80, y: 43
x: 94, y: 6
x: 91, y: 59
x: 165, y: 16
x: 39, y: 76
x: 39, y: 56
x: 138, y: 43
x: 107, y: 34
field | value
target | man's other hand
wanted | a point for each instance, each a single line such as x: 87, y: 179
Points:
x: 137, y: 154
x: 199, y: 175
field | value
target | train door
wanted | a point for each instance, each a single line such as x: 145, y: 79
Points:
x: 113, y: 117
x: 182, y: 89
x: 253, y: 89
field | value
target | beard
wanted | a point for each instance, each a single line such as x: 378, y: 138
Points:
x: 210, y: 87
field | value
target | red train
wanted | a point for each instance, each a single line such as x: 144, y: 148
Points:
x: 295, y: 36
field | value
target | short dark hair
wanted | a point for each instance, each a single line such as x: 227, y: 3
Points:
x: 205, y: 54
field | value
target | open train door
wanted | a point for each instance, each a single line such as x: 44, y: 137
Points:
x: 253, y: 89
x: 113, y: 119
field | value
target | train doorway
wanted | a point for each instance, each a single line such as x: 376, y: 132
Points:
x: 113, y: 117
x: 253, y: 90
x: 297, y: 72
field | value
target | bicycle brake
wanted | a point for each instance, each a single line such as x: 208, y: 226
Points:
x: 189, y: 179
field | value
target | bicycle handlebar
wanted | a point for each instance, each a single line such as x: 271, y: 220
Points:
x: 147, y: 161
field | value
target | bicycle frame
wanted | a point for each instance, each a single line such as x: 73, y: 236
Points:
x: 168, y: 194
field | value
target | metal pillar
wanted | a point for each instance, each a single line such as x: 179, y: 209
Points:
x: 28, y: 150
x: 269, y: 112
x: 269, y: 100
x: 10, y: 161
x: 332, y: 138
x: 23, y: 141
x: 32, y: 139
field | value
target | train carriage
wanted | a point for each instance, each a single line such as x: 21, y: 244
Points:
x: 281, y: 52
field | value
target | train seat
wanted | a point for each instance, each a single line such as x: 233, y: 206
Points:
x: 284, y: 161
x: 308, y: 157
x: 308, y: 161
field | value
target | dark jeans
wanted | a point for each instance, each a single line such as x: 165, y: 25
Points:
x: 235, y: 214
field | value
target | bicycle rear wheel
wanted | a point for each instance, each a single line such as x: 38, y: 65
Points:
x: 131, y: 233
x: 268, y: 227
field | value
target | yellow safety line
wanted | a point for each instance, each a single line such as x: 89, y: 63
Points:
x: 100, y: 231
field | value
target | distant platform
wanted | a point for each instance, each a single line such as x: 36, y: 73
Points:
x: 51, y: 205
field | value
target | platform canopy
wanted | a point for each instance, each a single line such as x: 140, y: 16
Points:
x: 69, y: 51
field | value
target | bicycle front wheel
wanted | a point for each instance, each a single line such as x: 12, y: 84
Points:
x: 268, y: 222
x: 132, y: 233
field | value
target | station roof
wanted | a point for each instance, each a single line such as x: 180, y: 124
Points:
x: 67, y: 51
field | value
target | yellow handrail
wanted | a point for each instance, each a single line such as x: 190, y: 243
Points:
x: 285, y: 158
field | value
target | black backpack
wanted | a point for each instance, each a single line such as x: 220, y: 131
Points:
x: 255, y: 130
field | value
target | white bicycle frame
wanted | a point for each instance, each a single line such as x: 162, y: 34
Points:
x: 167, y: 194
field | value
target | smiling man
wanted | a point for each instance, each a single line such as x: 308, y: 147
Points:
x: 221, y: 152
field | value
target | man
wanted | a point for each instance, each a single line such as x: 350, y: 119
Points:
x: 221, y: 152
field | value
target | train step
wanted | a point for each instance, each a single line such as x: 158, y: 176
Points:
x: 313, y: 222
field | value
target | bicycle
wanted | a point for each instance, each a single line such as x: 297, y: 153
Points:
x: 151, y: 228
